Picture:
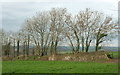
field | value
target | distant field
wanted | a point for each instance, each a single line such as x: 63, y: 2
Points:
x: 115, y: 54
x: 57, y: 67
x: 91, y: 48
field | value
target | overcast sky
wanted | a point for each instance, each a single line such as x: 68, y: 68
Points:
x: 15, y: 12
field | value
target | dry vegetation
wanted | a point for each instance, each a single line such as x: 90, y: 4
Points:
x: 100, y: 56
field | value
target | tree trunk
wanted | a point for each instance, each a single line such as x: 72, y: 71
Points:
x: 78, y: 46
x: 96, y: 47
x: 82, y: 44
x: 52, y: 47
x: 97, y: 40
x: 86, y: 50
x: 78, y: 43
x: 55, y: 50
x: 24, y: 49
x: 28, y: 45
x: 45, y: 45
x: 14, y: 48
x: 56, y: 43
x: 8, y: 49
x: 73, y: 50
x: 87, y: 47
x: 18, y: 48
x: 42, y: 40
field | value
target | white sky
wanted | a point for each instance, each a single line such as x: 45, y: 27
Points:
x: 14, y: 12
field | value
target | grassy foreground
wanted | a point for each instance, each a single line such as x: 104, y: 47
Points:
x: 57, y: 67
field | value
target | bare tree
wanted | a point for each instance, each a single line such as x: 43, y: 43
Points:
x: 24, y: 41
x: 86, y: 27
x: 18, y: 41
x: 46, y: 29
x: 6, y: 42
x: 38, y: 28
x: 86, y: 21
x: 105, y: 30
x: 70, y: 32
x: 57, y: 23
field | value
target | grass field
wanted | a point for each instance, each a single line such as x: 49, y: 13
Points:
x: 28, y: 66
x: 57, y: 67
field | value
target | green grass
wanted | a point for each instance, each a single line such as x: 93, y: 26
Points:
x: 115, y: 54
x: 0, y: 66
x: 57, y: 67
